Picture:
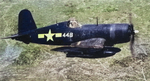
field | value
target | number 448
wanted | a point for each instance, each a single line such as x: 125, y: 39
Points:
x: 70, y: 34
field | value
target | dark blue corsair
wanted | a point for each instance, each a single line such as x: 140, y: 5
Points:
x: 61, y: 34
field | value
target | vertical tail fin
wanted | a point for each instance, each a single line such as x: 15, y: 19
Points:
x: 25, y: 24
x: 25, y: 21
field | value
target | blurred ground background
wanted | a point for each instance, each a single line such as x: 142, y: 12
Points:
x: 33, y: 62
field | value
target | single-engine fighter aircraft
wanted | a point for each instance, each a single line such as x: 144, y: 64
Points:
x: 87, y: 41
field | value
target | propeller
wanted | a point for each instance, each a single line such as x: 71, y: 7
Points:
x: 132, y: 37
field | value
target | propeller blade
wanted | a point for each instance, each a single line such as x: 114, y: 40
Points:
x: 130, y: 18
x: 132, y: 45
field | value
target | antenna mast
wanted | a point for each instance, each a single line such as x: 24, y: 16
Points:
x: 96, y: 21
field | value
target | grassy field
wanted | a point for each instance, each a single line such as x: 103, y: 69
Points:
x: 33, y: 62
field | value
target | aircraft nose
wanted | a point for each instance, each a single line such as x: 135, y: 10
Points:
x: 136, y: 31
x: 121, y: 32
x: 129, y: 31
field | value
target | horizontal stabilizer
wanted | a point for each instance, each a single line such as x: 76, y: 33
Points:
x: 20, y: 37
x: 13, y: 36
